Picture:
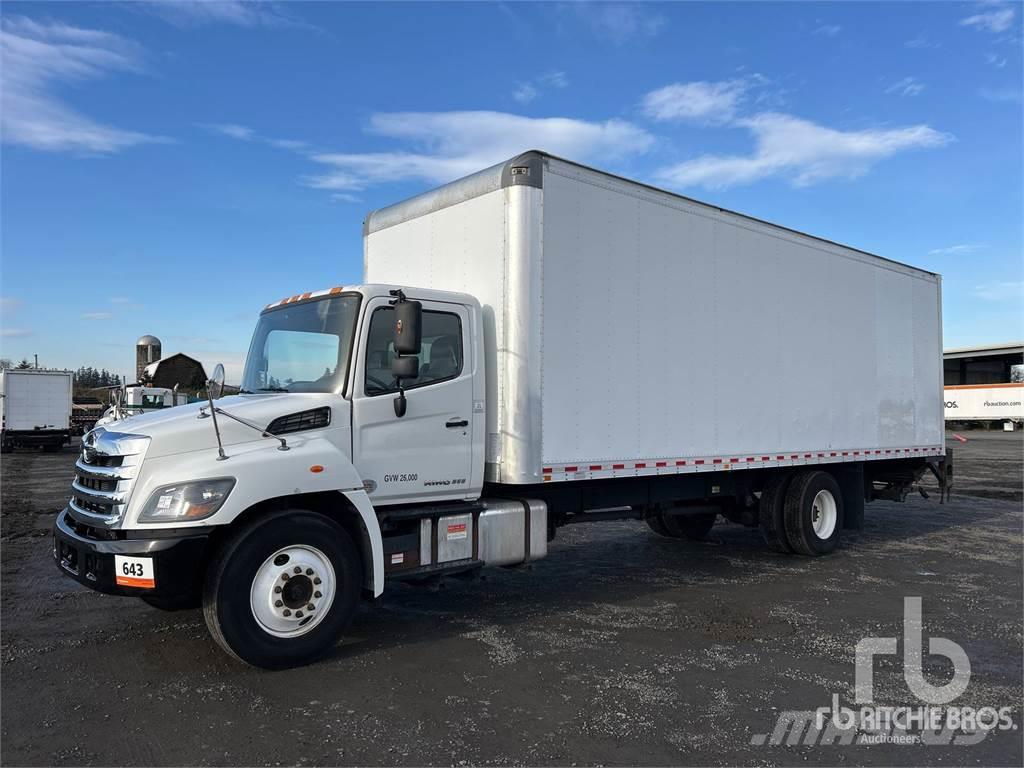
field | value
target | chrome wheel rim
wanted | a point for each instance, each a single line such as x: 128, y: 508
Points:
x: 292, y: 591
x: 823, y: 514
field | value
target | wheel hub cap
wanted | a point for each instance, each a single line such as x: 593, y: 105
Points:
x: 292, y: 591
x: 824, y: 513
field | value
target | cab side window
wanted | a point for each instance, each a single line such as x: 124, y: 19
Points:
x: 440, y: 356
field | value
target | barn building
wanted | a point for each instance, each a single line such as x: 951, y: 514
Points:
x: 178, y: 370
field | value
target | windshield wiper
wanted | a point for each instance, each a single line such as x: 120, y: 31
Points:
x: 271, y: 389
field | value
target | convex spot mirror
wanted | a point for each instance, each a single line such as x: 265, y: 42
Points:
x: 408, y: 327
x: 405, y: 367
x: 215, y: 386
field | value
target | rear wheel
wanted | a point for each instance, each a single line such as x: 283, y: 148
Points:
x: 693, y: 526
x: 282, y: 590
x: 813, y: 513
x: 653, y: 520
x: 771, y: 514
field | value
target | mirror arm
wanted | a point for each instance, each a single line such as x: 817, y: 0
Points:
x: 261, y: 430
x: 221, y: 456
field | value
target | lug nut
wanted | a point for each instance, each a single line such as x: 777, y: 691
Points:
x: 316, y: 580
x: 285, y: 576
x: 298, y: 614
x: 297, y: 569
x: 277, y: 590
x: 317, y: 594
x: 278, y: 603
x: 310, y: 607
x: 287, y: 612
x: 309, y: 571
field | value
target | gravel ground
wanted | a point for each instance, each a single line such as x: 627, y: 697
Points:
x: 621, y: 648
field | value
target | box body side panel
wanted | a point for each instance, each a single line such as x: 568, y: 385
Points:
x: 672, y: 330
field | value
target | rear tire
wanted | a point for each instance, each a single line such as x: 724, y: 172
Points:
x: 771, y: 516
x: 689, y: 526
x: 813, y: 513
x: 656, y: 525
x: 253, y: 573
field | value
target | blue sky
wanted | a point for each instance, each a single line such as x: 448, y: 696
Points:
x: 170, y: 168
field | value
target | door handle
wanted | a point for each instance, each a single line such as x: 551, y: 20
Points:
x: 456, y: 423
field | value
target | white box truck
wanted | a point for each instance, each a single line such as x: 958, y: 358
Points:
x: 535, y: 345
x: 36, y: 408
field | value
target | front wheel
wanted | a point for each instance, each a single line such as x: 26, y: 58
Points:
x: 283, y: 589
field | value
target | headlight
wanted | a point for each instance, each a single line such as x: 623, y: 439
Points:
x: 186, y: 501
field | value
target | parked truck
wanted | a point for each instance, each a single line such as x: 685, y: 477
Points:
x: 36, y: 408
x: 137, y: 399
x: 536, y: 345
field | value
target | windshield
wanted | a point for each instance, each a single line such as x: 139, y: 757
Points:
x: 302, y: 348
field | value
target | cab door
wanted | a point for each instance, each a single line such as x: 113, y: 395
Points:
x: 426, y: 454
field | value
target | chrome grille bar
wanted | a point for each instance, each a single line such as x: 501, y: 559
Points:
x: 99, y: 450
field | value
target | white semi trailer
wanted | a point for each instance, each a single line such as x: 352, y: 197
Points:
x: 36, y: 408
x: 535, y: 345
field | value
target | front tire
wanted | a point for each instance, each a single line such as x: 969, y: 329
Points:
x: 813, y: 513
x: 281, y: 591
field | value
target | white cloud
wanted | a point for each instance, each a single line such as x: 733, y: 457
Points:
x: 801, y: 152
x: 908, y: 86
x: 1003, y: 291
x: 556, y: 79
x: 441, y: 146
x: 15, y: 333
x: 828, y: 30
x: 36, y: 58
x: 921, y: 41
x: 524, y: 93
x: 244, y: 133
x: 696, y: 101
x: 956, y: 250
x: 996, y: 60
x: 234, y: 131
x: 997, y: 20
x: 620, y: 23
x: 527, y: 91
x: 97, y: 315
x: 241, y: 13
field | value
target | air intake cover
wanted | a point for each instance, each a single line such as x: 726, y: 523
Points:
x: 301, y: 421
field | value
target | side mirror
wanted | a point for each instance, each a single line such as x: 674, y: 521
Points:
x: 215, y: 386
x: 408, y: 327
x: 405, y: 367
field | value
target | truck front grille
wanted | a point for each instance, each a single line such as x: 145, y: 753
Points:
x: 104, y: 476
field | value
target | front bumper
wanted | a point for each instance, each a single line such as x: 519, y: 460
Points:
x: 177, y: 558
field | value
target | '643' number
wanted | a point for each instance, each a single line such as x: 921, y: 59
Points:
x: 133, y: 569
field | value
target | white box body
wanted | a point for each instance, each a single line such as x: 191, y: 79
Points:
x: 36, y: 400
x: 628, y: 330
